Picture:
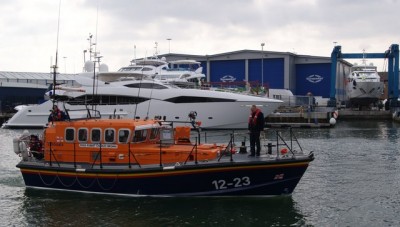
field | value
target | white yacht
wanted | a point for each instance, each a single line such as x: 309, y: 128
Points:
x: 183, y: 73
x: 147, y: 67
x: 363, y: 85
x: 141, y: 98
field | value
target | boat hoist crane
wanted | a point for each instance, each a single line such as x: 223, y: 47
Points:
x: 392, y: 54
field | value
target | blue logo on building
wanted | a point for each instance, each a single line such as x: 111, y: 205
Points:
x: 314, y: 78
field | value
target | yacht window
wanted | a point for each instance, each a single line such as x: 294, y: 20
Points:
x: 147, y: 69
x: 154, y: 133
x: 139, y: 136
x: 106, y: 100
x: 109, y: 135
x: 69, y: 135
x: 146, y: 86
x: 123, y: 135
x: 194, y: 99
x: 82, y: 135
x: 96, y: 135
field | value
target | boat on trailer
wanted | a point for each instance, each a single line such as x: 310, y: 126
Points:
x: 152, y: 158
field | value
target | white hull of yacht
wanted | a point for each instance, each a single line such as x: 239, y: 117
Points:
x: 215, y: 110
x: 229, y: 115
x: 365, y: 91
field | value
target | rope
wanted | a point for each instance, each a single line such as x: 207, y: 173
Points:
x: 106, y: 189
x: 65, y: 185
x: 51, y: 184
x: 85, y: 187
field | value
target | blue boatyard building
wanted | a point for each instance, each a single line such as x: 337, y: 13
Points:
x: 17, y: 88
x: 277, y: 70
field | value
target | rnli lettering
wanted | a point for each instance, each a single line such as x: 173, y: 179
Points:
x: 113, y: 146
x: 234, y: 183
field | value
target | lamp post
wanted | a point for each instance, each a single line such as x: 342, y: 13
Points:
x: 169, y: 45
x: 262, y: 64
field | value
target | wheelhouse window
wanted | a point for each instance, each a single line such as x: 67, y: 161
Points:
x: 109, y: 135
x: 139, y: 136
x: 167, y: 136
x: 70, y: 134
x: 123, y: 135
x: 82, y: 135
x: 154, y: 133
x: 96, y: 135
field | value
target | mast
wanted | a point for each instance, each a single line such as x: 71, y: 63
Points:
x: 55, y: 66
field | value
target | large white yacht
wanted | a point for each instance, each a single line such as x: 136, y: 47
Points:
x: 363, y: 85
x: 142, y: 98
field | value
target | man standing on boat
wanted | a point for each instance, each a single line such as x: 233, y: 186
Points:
x: 56, y: 114
x: 256, y: 125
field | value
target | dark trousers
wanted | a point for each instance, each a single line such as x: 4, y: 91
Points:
x: 255, y: 141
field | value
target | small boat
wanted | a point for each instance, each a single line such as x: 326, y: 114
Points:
x: 151, y: 158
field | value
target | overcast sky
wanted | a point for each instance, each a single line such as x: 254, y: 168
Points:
x: 28, y: 35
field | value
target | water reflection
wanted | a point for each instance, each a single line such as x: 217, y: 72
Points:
x: 65, y: 208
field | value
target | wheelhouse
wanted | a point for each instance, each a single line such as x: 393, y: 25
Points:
x: 120, y: 141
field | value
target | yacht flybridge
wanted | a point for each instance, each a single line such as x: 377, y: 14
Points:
x: 133, y: 98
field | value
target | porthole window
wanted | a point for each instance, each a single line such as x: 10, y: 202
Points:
x: 70, y: 135
x: 96, y: 135
x: 109, y: 135
x: 82, y: 135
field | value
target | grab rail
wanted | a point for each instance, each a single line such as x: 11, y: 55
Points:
x: 95, y: 156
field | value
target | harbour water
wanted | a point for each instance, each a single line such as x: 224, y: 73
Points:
x: 353, y: 181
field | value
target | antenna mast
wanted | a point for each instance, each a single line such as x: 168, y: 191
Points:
x: 56, y: 62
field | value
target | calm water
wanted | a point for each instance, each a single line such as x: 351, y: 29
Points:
x: 354, y: 181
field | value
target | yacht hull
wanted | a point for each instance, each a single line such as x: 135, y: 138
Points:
x: 365, y: 92
x: 217, y: 115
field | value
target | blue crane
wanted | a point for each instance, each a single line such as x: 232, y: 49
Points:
x: 392, y: 54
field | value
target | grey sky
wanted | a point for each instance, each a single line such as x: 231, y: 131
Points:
x: 29, y: 28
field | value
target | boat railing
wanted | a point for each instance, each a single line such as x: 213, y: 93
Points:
x: 280, y: 139
x: 282, y: 143
x: 229, y: 149
x: 90, y: 112
x: 285, y: 141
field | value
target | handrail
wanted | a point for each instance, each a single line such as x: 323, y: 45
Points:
x: 97, y: 155
x: 129, y: 157
x: 51, y: 153
x: 230, y: 145
x: 190, y: 153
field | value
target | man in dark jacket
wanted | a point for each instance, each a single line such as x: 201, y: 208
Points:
x: 256, y: 125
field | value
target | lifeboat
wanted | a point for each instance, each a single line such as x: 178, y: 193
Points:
x: 151, y: 158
